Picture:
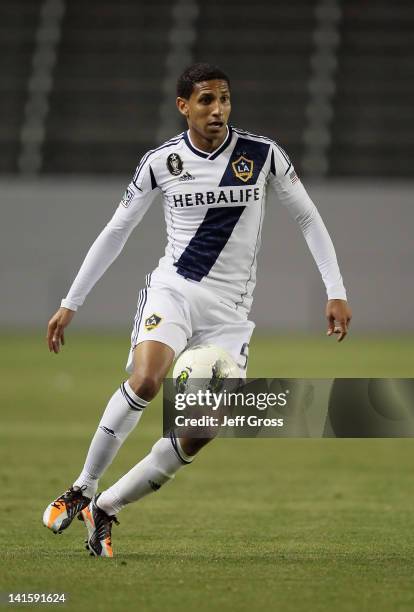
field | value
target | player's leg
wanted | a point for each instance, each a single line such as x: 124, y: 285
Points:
x: 161, y: 464
x: 148, y: 363
x: 191, y: 446
x: 152, y: 361
x: 168, y: 455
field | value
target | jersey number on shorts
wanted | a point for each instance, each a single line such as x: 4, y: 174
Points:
x: 204, y: 248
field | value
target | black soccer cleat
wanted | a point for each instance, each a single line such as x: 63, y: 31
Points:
x: 99, y: 526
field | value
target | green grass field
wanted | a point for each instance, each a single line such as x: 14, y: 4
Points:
x: 253, y: 524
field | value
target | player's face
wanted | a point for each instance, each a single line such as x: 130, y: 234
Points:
x: 208, y: 109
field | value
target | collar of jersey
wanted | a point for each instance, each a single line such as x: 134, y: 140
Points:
x: 213, y: 154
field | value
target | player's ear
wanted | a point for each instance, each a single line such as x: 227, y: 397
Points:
x: 182, y: 105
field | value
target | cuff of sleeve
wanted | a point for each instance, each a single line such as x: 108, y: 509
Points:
x: 336, y: 293
x: 68, y: 304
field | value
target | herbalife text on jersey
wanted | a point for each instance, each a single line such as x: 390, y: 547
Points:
x: 232, y: 196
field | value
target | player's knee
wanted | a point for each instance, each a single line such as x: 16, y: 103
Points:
x: 145, y: 385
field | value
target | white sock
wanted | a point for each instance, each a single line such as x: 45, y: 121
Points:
x: 164, y: 460
x: 121, y: 416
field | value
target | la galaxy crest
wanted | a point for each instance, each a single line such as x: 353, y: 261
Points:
x: 152, y: 322
x: 128, y: 195
x: 174, y: 164
x: 243, y: 168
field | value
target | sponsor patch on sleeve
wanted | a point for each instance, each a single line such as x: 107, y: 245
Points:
x: 128, y: 195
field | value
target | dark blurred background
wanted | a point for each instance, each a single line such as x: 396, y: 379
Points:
x: 88, y: 87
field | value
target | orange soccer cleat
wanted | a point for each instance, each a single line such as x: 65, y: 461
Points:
x: 60, y: 513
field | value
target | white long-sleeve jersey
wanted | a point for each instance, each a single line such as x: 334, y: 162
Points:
x: 214, y: 207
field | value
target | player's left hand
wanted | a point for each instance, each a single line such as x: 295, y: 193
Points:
x: 339, y: 315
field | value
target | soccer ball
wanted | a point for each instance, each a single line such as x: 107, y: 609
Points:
x: 205, y: 367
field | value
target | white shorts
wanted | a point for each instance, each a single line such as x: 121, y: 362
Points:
x: 182, y: 314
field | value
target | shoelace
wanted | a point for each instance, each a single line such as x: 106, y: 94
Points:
x: 113, y: 519
x: 63, y: 498
x: 104, y: 530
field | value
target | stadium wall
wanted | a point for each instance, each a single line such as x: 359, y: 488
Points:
x: 48, y: 224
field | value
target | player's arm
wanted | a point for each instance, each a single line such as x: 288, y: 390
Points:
x: 139, y: 195
x: 292, y: 194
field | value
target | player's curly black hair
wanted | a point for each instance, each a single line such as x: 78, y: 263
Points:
x: 195, y: 74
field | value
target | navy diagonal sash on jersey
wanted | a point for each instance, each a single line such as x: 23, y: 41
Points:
x: 202, y: 251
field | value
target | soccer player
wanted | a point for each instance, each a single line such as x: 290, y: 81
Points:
x: 214, y: 180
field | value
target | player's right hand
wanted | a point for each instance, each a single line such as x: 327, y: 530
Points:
x: 339, y: 316
x: 56, y: 328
